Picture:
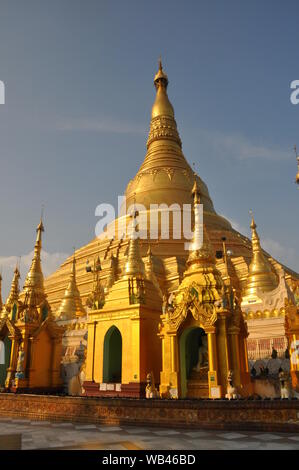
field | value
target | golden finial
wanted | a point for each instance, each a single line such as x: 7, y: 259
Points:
x: 160, y: 63
x: 253, y: 224
x: 160, y: 77
x: 196, y: 192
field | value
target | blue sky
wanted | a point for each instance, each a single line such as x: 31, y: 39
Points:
x: 78, y: 78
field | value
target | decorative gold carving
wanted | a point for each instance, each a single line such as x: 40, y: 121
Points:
x: 163, y: 127
x: 206, y: 314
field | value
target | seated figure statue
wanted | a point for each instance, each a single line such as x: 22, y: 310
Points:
x: 150, y: 390
x: 202, y: 354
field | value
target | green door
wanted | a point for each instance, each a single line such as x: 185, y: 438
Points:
x: 112, y: 356
x: 4, y: 367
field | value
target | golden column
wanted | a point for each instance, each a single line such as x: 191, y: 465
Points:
x: 233, y: 333
x: 213, y: 362
x: 222, y: 346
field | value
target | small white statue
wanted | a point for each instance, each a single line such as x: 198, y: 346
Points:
x: 232, y: 392
x: 75, y: 384
x: 285, y: 386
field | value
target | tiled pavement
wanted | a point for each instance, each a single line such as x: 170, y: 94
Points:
x: 46, y: 435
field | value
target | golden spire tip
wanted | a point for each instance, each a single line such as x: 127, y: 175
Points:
x: 253, y: 224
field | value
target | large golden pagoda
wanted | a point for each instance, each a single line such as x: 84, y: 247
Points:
x: 165, y: 177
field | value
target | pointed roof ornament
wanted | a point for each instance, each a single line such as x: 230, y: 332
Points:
x: 34, y: 283
x: 161, y: 76
x: 149, y: 262
x: 13, y: 295
x: 149, y: 270
x: 260, y: 274
x: 162, y: 105
x: 134, y: 265
x: 201, y: 249
x: 71, y: 305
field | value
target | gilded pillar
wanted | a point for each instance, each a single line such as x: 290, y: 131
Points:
x: 294, y: 360
x: 90, y: 351
x: 214, y: 388
x: 235, y: 354
x: 169, y: 383
x: 12, y: 363
x: 222, y: 348
x: 56, y: 358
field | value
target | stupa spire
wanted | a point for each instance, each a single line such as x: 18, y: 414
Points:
x: 200, y: 249
x: 260, y: 275
x: 71, y: 305
x: 163, y: 125
x: 134, y: 265
x: 34, y: 283
x: 13, y: 295
x: 201, y: 263
x: 149, y: 270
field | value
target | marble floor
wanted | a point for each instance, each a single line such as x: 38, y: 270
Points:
x: 51, y: 435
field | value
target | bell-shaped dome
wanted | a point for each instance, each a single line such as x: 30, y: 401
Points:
x: 165, y: 177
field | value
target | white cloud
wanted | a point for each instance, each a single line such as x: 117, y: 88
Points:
x: 237, y: 226
x: 240, y: 147
x: 278, y: 251
x: 50, y: 262
x: 101, y: 124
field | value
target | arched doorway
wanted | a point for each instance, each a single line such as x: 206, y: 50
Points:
x: 112, y: 356
x: 194, y: 363
x: 5, y: 348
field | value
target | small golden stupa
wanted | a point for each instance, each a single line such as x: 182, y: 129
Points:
x: 33, y: 338
x: 261, y: 277
x: 71, y: 305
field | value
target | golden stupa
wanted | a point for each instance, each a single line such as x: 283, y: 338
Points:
x: 71, y: 306
x: 165, y: 176
x: 32, y: 338
x: 260, y: 276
